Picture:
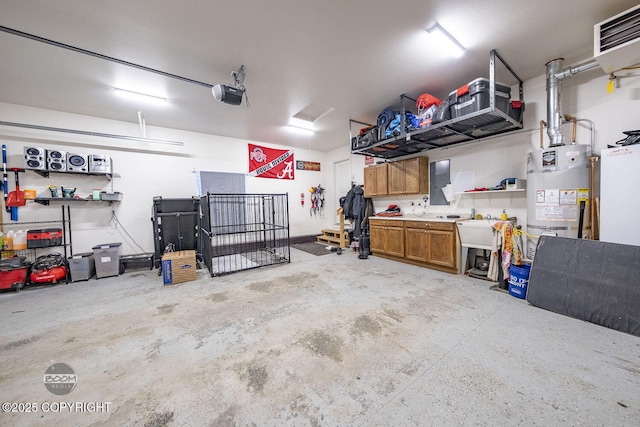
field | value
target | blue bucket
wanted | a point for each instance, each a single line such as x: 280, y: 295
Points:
x: 519, y: 280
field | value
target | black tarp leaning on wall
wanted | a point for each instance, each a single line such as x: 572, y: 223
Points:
x: 589, y: 280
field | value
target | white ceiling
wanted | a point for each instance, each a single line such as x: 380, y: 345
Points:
x: 356, y: 56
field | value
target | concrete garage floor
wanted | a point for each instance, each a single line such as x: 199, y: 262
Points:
x: 324, y: 341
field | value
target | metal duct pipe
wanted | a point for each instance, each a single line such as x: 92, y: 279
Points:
x: 555, y: 76
x: 554, y: 100
x: 570, y: 71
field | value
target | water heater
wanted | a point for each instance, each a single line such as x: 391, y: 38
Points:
x: 557, y: 181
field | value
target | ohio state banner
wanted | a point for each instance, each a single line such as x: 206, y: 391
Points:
x: 270, y: 163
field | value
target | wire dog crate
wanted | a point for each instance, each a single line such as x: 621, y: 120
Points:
x: 244, y: 231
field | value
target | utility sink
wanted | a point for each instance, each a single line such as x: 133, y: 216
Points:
x: 475, y: 234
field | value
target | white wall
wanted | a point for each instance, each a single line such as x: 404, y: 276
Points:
x: 492, y: 160
x: 146, y: 170
x: 149, y: 170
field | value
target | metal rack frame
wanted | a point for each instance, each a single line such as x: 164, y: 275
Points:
x: 471, y: 127
x: 30, y: 253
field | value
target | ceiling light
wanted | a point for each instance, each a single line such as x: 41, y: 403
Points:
x: 305, y: 118
x: 442, y: 40
x: 139, y: 96
x: 301, y: 124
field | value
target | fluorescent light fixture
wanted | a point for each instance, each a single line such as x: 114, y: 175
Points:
x: 139, y: 96
x: 442, y: 40
x: 301, y: 124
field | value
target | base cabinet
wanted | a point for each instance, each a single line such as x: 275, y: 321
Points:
x: 417, y: 243
x: 386, y: 237
x: 441, y: 246
x: 432, y: 244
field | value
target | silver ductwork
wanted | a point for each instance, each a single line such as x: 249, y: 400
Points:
x: 555, y: 76
x: 554, y: 98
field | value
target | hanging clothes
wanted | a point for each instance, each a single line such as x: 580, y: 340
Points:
x: 510, y: 247
x: 354, y: 208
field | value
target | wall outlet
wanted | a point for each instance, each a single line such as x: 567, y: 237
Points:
x: 425, y: 198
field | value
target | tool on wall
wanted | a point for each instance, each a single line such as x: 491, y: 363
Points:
x: 317, y: 200
x: 16, y: 198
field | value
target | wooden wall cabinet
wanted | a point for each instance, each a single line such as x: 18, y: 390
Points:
x: 375, y: 180
x: 409, y: 176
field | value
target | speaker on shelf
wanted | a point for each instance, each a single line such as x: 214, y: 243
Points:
x: 77, y: 163
x: 56, y: 160
x: 99, y: 163
x: 35, y: 158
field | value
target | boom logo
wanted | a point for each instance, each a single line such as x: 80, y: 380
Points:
x: 60, y: 379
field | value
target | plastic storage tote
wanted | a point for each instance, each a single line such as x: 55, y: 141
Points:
x: 107, y: 259
x: 82, y: 266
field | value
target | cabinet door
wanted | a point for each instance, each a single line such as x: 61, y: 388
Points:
x: 442, y: 248
x: 396, y: 178
x: 375, y: 180
x: 377, y: 238
x: 416, y: 173
x: 370, y: 181
x: 381, y: 180
x: 395, y: 241
x: 416, y: 244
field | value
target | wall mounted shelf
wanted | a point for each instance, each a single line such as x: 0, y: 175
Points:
x: 45, y: 174
x: 520, y: 190
x: 47, y: 200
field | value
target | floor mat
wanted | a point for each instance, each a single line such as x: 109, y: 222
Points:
x: 231, y: 263
x: 312, y: 248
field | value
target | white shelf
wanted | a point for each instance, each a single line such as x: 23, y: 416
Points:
x: 519, y: 190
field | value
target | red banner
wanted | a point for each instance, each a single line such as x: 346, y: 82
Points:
x: 270, y: 163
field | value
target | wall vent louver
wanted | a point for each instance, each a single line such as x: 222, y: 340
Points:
x: 617, y: 41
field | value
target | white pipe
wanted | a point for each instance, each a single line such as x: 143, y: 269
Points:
x: 82, y: 132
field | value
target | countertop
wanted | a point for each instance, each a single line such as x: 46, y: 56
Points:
x: 428, y: 218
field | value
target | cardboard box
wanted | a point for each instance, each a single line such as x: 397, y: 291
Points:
x: 178, y: 267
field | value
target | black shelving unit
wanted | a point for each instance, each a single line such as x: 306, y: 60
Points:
x: 30, y: 253
x: 475, y: 126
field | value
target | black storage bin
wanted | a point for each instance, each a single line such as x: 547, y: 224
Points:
x: 365, y: 139
x: 516, y: 110
x: 442, y: 113
x: 474, y: 96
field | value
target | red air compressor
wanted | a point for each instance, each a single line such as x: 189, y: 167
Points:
x: 50, y: 268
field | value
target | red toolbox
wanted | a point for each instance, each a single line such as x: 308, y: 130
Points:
x: 44, y: 238
x: 13, y: 273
